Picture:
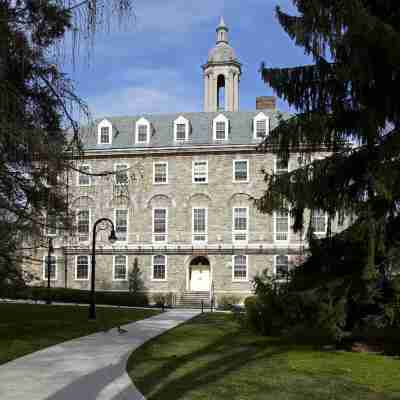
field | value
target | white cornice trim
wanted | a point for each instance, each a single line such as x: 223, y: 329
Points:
x: 173, y: 149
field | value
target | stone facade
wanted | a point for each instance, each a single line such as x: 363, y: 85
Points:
x: 240, y: 242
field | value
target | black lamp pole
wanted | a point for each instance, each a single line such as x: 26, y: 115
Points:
x: 49, y: 252
x: 111, y: 238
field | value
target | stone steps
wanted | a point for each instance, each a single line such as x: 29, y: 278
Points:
x: 194, y: 299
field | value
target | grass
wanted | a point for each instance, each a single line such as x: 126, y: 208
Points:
x: 213, y: 357
x: 25, y: 328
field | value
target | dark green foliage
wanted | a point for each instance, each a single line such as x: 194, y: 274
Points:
x: 349, y: 109
x: 135, y: 279
x: 75, y: 296
x: 39, y: 141
x: 312, y: 316
x: 164, y: 299
x: 226, y: 302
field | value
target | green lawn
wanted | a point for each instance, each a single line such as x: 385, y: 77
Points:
x: 25, y: 328
x: 213, y: 357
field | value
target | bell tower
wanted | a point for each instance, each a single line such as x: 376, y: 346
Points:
x: 221, y: 75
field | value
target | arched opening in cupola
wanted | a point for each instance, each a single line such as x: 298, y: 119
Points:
x: 221, y: 93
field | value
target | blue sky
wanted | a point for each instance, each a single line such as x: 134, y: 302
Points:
x: 152, y: 64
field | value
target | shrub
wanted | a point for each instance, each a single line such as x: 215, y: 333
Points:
x: 78, y: 296
x: 227, y: 301
x: 164, y: 299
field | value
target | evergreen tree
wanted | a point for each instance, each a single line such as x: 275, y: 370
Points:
x: 348, y: 106
x: 37, y: 109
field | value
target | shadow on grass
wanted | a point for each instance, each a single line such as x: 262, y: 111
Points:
x: 219, y: 370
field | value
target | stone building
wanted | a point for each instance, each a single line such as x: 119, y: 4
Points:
x: 181, y: 198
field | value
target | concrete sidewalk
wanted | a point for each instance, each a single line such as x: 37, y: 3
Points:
x: 87, y: 368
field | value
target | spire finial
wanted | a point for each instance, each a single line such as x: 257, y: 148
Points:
x: 222, y: 31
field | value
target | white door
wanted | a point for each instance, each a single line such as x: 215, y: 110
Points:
x: 200, y: 278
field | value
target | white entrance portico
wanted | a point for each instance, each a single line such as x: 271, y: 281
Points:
x: 199, y: 274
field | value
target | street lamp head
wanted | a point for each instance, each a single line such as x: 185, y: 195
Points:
x: 112, y: 238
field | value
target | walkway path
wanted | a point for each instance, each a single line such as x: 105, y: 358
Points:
x: 87, y: 368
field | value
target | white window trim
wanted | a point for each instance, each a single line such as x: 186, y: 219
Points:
x: 181, y: 120
x: 233, y: 268
x: 261, y: 117
x: 78, y: 175
x: 44, y: 267
x: 193, y: 163
x: 142, y: 121
x: 206, y: 226
x: 127, y: 223
x: 115, y: 171
x: 276, y: 163
x: 233, y: 171
x: 90, y: 221
x: 234, y: 232
x: 126, y: 268
x: 320, y: 233
x: 76, y: 267
x: 166, y: 225
x: 274, y: 266
x: 154, y: 172
x: 275, y: 231
x: 104, y: 124
x: 166, y: 268
x: 51, y: 235
x: 220, y: 118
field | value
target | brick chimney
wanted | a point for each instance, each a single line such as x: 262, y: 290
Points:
x: 266, y: 103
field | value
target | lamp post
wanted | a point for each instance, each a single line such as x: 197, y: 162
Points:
x: 49, y: 252
x: 112, y: 238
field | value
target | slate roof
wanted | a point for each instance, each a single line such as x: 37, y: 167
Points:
x: 162, y: 135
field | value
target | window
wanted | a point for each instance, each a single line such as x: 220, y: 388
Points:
x: 160, y: 173
x: 83, y: 225
x: 239, y: 272
x: 160, y: 268
x: 160, y: 224
x: 220, y: 131
x: 281, y: 266
x: 142, y: 131
x: 181, y: 129
x: 105, y: 135
x: 199, y: 225
x: 281, y: 218
x: 83, y: 177
x: 180, y: 132
x: 121, y: 174
x: 261, y: 126
x: 51, y: 224
x: 53, y: 268
x: 120, y: 272
x: 121, y: 225
x: 220, y: 127
x: 319, y: 222
x: 240, y: 170
x: 240, y: 223
x: 200, y: 171
x: 104, y: 132
x: 281, y: 166
x: 82, y: 268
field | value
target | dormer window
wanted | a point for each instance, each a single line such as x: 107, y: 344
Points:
x: 261, y: 126
x: 104, y: 132
x: 220, y: 127
x: 181, y: 129
x: 142, y: 131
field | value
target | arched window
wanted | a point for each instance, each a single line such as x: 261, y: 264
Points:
x: 220, y: 127
x: 181, y: 129
x: 221, y: 93
x: 261, y: 126
x: 142, y: 131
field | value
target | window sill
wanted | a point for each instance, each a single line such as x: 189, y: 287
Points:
x: 120, y: 280
x: 200, y: 183
x: 240, y: 280
x: 159, y: 280
x: 82, y: 280
x: 246, y: 181
x: 160, y: 183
